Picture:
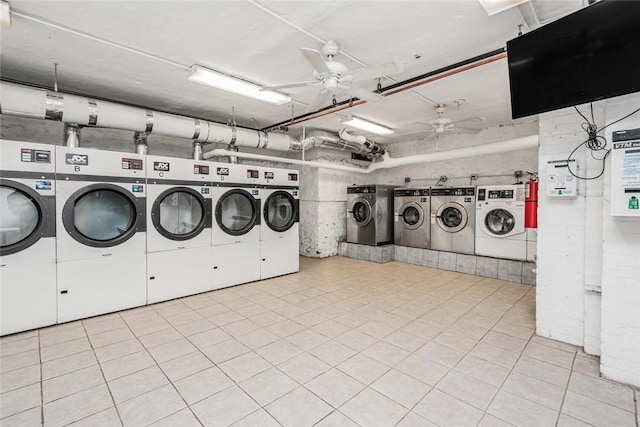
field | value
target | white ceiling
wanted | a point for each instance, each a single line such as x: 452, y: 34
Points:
x: 139, y: 52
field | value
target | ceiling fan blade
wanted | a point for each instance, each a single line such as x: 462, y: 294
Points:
x: 316, y: 60
x: 364, y: 94
x: 321, y: 99
x: 474, y: 119
x: 463, y: 130
x: 289, y: 85
x: 379, y: 70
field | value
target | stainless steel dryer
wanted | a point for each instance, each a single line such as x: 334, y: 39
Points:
x: 411, y: 216
x: 370, y: 214
x: 453, y: 218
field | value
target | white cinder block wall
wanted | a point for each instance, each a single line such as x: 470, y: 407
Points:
x: 620, y: 271
x: 492, y: 168
x: 588, y: 289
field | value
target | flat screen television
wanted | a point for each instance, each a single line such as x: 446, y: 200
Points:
x: 589, y: 55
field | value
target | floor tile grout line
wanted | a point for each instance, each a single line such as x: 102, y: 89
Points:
x: 566, y: 388
x: 41, y: 381
x: 106, y: 383
x: 510, y: 370
x: 172, y: 383
x: 373, y: 304
x: 450, y: 369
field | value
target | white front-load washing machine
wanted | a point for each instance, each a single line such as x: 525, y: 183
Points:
x: 453, y: 220
x: 279, y: 230
x: 236, y: 228
x: 179, y: 216
x: 101, y: 229
x: 500, y: 230
x: 27, y: 236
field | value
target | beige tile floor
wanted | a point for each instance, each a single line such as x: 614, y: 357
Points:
x: 342, y: 343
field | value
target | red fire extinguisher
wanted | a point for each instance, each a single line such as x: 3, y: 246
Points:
x: 531, y: 204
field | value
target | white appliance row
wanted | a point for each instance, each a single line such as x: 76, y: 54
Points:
x: 85, y: 232
x: 483, y: 220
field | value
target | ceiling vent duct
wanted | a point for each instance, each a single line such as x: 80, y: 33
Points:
x: 78, y: 111
x: 344, y: 141
x: 71, y: 135
x: 25, y: 101
x: 140, y: 141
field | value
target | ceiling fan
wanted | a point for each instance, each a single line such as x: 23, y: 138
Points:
x: 441, y: 124
x: 334, y: 76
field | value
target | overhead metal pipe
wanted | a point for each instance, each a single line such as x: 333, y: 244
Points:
x: 25, y: 101
x: 197, y: 153
x: 388, y: 162
x: 140, y: 141
x: 71, y: 135
x: 398, y: 87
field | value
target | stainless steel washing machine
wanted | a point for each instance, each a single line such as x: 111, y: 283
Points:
x: 411, y: 217
x: 453, y: 218
x: 370, y: 214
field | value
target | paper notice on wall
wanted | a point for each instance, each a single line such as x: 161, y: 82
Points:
x: 631, y: 166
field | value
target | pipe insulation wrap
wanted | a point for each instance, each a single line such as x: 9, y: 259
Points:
x: 177, y: 126
x: 248, y: 138
x: 76, y: 110
x: 123, y: 117
x: 217, y: 133
x: 279, y: 141
x: 22, y: 101
x: 387, y: 162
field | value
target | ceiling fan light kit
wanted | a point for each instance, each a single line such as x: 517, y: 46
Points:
x: 334, y: 77
x: 205, y: 76
x: 366, y: 125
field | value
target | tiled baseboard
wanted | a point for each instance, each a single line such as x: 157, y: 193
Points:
x: 495, y: 268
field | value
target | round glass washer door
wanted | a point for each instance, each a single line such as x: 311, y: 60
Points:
x: 361, y: 212
x: 452, y: 217
x: 21, y: 217
x: 179, y: 213
x: 101, y: 215
x: 236, y: 212
x: 280, y: 211
x: 499, y: 222
x: 412, y: 216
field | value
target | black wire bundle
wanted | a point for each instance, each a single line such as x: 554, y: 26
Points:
x: 594, y: 142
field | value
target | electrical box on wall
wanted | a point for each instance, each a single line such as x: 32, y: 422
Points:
x: 561, y: 184
x: 625, y: 173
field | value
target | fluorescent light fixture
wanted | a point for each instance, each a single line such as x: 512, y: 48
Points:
x: 366, y: 125
x: 218, y: 80
x: 495, y: 6
x: 5, y: 14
